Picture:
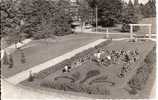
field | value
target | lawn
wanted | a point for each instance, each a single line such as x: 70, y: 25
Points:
x: 39, y: 51
x: 145, y: 30
x: 93, y: 78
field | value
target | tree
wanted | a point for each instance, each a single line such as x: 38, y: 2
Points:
x: 109, y: 11
x: 37, y: 15
x: 45, y: 19
x: 129, y: 17
x: 137, y: 8
x: 84, y: 13
x: 10, y: 21
x: 149, y: 9
x: 62, y: 20
x: 5, y: 58
x: 35, y: 18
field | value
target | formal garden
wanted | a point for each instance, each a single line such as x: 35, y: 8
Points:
x: 117, y: 65
x: 117, y: 68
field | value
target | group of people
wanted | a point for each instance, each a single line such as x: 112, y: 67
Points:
x: 122, y: 56
x: 107, y: 57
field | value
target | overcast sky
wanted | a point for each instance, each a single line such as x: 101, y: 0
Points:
x: 140, y: 1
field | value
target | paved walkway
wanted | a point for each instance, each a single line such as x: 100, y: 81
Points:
x: 12, y: 48
x: 25, y: 74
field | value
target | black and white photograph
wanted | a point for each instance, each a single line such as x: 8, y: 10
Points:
x: 78, y: 49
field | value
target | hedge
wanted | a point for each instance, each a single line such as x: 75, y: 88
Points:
x: 83, y: 88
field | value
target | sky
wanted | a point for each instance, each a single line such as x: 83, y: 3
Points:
x: 140, y: 1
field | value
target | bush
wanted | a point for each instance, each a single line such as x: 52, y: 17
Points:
x: 5, y: 58
x: 126, y: 28
x: 31, y: 77
x: 102, y: 79
x: 66, y: 77
x: 76, y: 76
x: 11, y: 62
x: 90, y: 74
x: 76, y: 88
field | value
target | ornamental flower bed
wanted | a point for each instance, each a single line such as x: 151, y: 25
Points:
x: 83, y: 57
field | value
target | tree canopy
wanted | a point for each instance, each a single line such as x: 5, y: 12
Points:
x: 35, y: 18
x: 109, y: 11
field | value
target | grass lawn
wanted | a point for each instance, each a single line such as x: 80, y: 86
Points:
x: 145, y: 30
x: 94, y: 75
x: 39, y: 51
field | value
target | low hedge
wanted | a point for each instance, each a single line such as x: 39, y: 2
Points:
x: 102, y: 79
x: 89, y: 75
x: 83, y: 88
x: 85, y: 55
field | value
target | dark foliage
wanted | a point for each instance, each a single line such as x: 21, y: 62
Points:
x: 90, y: 74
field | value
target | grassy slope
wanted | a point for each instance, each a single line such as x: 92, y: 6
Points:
x: 148, y: 21
x: 39, y: 51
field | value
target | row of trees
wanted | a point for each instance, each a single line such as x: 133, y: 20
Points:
x: 111, y: 12
x: 34, y: 18
x: 148, y: 9
x: 46, y: 18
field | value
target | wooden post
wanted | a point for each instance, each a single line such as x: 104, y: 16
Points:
x: 131, y: 31
x: 107, y: 32
x: 150, y: 33
x: 96, y: 18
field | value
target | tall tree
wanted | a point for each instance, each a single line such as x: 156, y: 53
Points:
x: 129, y: 16
x: 108, y: 11
x: 84, y: 13
x: 10, y: 21
x: 149, y: 9
x: 45, y: 18
x: 137, y: 7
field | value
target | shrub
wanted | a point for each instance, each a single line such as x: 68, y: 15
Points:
x: 5, y: 58
x: 76, y: 88
x: 76, y: 76
x: 66, y: 77
x: 102, y: 79
x: 11, y: 62
x: 90, y: 74
x: 23, y: 59
x: 31, y: 77
x: 126, y: 28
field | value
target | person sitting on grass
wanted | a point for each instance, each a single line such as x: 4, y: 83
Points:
x: 97, y: 56
x: 66, y: 68
x: 113, y: 56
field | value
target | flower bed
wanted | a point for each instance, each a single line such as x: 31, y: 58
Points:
x: 76, y: 88
x: 83, y: 57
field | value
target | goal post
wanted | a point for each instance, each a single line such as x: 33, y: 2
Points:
x: 142, y: 25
